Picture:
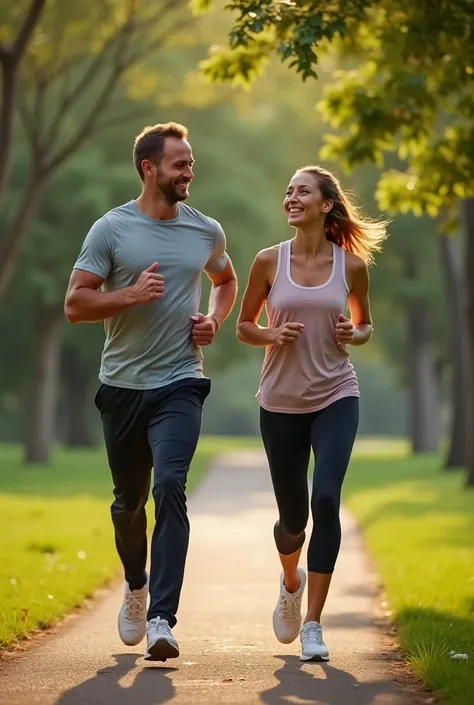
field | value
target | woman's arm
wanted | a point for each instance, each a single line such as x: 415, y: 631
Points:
x: 357, y: 330
x: 259, y: 284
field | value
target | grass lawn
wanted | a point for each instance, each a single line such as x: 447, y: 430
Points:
x: 419, y: 525
x: 56, y: 543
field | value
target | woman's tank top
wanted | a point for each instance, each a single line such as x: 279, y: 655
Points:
x: 315, y: 370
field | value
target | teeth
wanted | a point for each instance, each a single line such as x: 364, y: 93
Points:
x: 295, y: 210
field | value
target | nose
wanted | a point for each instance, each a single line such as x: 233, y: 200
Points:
x: 188, y: 173
x: 292, y: 201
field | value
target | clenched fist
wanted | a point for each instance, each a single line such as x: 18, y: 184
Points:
x: 149, y: 285
x: 344, y: 330
x: 204, y: 329
x: 288, y: 333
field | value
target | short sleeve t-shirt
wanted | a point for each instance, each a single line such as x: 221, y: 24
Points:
x: 149, y: 345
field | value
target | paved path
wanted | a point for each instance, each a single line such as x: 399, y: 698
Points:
x: 228, y: 651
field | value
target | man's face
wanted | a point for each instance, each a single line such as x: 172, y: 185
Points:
x: 175, y: 173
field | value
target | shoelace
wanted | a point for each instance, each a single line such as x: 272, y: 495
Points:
x: 312, y: 632
x: 160, y: 625
x: 135, y: 607
x: 288, y: 606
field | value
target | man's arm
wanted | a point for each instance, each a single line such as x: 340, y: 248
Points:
x: 86, y: 304
x: 223, y: 278
x: 223, y: 293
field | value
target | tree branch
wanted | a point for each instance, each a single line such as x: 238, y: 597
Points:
x: 73, y: 95
x: 159, y: 41
x: 29, y: 23
x: 118, y: 119
x: 90, y: 121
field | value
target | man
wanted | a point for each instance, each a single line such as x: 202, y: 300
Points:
x: 139, y: 270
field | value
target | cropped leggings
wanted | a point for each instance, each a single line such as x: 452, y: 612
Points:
x: 288, y: 440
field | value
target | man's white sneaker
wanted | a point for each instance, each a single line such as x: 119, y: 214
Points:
x: 132, y: 616
x: 161, y: 643
x: 287, y: 614
x: 313, y: 647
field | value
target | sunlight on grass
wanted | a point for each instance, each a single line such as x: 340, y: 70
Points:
x: 419, y: 525
x: 57, y: 542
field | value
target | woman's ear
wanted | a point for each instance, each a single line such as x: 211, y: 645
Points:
x: 328, y: 206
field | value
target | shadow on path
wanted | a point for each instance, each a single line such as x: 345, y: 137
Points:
x: 325, y: 686
x: 151, y: 686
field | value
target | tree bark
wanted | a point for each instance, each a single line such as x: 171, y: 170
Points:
x: 10, y: 58
x: 459, y: 343
x: 42, y: 406
x: 469, y: 224
x: 425, y: 416
x: 76, y: 380
x: 7, y: 116
x: 10, y: 246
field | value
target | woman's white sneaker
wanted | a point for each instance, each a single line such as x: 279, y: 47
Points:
x: 161, y: 644
x: 313, y: 647
x: 132, y: 616
x: 287, y: 614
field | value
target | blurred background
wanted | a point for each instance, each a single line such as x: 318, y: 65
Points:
x: 79, y: 105
x: 381, y: 93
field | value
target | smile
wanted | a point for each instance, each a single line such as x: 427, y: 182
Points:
x: 295, y: 210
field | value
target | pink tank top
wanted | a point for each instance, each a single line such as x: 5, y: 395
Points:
x: 315, y: 370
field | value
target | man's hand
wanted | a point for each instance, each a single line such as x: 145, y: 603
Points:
x: 344, y: 330
x: 204, y: 329
x: 149, y: 285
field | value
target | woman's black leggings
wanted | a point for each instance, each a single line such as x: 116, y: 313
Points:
x: 288, y: 439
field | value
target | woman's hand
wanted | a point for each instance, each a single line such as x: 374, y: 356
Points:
x: 288, y: 333
x: 344, y: 330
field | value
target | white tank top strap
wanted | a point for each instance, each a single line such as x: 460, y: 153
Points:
x: 281, y: 264
x: 343, y: 267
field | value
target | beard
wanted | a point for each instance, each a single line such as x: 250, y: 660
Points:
x: 172, y: 189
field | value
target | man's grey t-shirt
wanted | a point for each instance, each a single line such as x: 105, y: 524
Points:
x: 149, y: 345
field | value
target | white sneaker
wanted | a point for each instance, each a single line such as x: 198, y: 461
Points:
x: 287, y: 614
x: 161, y: 642
x: 132, y: 616
x: 312, y: 644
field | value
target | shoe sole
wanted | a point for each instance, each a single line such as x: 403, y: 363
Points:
x: 161, y: 651
x: 314, y: 659
x: 129, y: 642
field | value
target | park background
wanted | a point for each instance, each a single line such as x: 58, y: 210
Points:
x: 391, y: 113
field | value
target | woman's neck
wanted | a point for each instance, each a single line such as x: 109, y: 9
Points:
x: 311, y: 241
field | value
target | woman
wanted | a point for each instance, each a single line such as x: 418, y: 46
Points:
x: 309, y: 391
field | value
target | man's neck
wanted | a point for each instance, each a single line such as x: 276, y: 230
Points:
x: 156, y: 208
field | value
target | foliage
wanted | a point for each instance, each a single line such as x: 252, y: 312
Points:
x: 413, y: 94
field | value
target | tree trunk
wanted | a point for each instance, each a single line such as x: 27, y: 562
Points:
x: 425, y: 416
x: 469, y: 223
x: 7, y: 115
x: 76, y: 382
x: 459, y: 343
x: 10, y: 246
x: 10, y: 58
x: 47, y: 344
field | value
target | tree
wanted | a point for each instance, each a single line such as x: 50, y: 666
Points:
x: 72, y: 200
x: 414, y: 95
x: 75, y: 73
x: 12, y: 52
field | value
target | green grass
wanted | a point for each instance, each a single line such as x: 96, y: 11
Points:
x: 56, y: 543
x: 419, y: 526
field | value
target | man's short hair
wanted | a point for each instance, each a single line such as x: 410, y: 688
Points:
x: 150, y: 143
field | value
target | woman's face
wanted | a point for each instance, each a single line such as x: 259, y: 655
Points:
x: 304, y: 202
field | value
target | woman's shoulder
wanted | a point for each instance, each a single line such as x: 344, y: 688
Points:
x: 267, y: 259
x: 354, y: 263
